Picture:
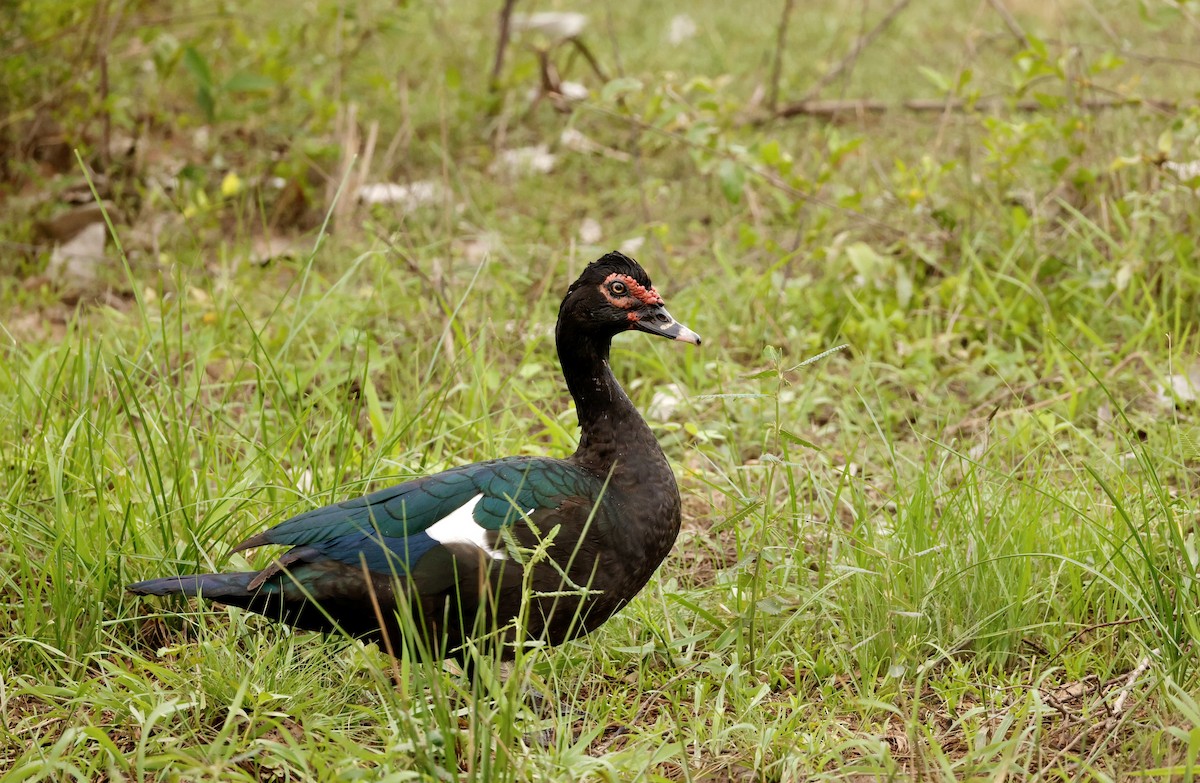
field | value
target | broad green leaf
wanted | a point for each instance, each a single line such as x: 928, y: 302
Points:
x: 935, y: 78
x: 732, y: 178
x: 244, y: 81
x: 799, y: 441
x: 620, y: 87
x: 197, y: 66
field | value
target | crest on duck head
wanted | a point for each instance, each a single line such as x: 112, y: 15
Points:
x: 614, y: 263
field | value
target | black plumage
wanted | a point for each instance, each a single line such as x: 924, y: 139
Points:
x: 455, y: 554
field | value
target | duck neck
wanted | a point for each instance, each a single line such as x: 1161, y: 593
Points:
x: 612, y: 432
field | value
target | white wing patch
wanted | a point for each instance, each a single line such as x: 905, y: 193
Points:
x: 460, y: 527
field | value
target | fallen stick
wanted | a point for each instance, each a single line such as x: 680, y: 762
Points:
x: 861, y: 106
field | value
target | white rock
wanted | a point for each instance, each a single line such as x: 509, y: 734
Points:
x: 1183, y: 387
x: 1183, y: 170
x: 525, y: 160
x: 590, y: 232
x: 407, y: 197
x: 573, y: 91
x: 664, y: 402
x: 575, y: 141
x: 681, y: 28
x: 632, y: 245
x: 201, y: 137
x: 559, y: 26
x: 481, y: 247
x: 74, y: 261
x: 268, y: 248
x: 1180, y: 388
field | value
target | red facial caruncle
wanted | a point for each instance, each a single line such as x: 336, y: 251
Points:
x: 629, y: 293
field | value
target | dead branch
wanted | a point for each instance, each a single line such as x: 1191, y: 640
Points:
x: 861, y: 43
x: 1095, y: 627
x: 591, y: 58
x: 502, y: 41
x: 864, y: 106
x: 777, y: 60
x: 1010, y: 22
x: 1118, y: 705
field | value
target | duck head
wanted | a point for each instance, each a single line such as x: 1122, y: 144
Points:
x: 614, y: 294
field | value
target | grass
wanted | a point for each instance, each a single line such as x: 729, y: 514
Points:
x: 962, y: 548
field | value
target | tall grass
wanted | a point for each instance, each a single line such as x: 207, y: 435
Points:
x: 963, y: 547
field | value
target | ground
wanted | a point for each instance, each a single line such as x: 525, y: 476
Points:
x: 937, y: 452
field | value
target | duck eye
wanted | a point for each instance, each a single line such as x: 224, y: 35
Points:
x: 618, y: 288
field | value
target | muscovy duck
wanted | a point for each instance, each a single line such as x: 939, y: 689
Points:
x: 458, y: 552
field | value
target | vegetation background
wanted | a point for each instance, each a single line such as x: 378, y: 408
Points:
x: 258, y: 256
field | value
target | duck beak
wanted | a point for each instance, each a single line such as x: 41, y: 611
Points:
x: 656, y: 320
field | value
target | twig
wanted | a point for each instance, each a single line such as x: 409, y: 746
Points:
x: 614, y: 40
x: 591, y: 58
x: 1151, y: 59
x: 106, y: 36
x: 777, y: 64
x: 861, y: 43
x: 346, y: 124
x: 1104, y: 25
x: 863, y: 106
x: 502, y: 41
x: 1010, y: 22
x: 367, y: 158
x: 438, y: 288
x: 1116, y: 712
x: 976, y: 417
x: 403, y: 134
x: 1109, y: 725
x: 1083, y: 631
x: 1119, y: 704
